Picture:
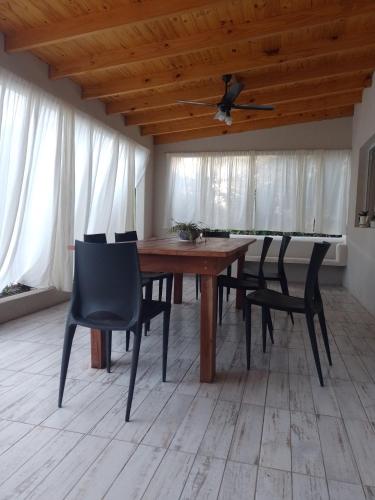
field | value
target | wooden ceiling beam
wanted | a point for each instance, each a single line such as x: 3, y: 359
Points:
x: 88, y: 24
x: 257, y: 58
x: 282, y: 108
x: 209, y: 39
x: 271, y: 95
x: 309, y: 116
x: 351, y: 63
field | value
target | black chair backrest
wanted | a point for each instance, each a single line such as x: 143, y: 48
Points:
x: 95, y: 238
x: 216, y: 234
x: 107, y: 282
x: 266, y: 245
x: 312, y: 292
x: 284, y: 245
x: 127, y: 236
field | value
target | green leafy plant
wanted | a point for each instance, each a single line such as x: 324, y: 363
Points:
x: 14, y: 289
x: 187, y: 230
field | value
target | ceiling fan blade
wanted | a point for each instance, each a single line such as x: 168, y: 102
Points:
x: 197, y: 103
x: 260, y: 107
x: 233, y: 92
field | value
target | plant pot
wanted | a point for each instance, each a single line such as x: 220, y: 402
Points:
x: 187, y: 235
x: 363, y: 221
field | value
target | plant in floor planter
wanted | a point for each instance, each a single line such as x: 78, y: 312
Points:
x: 14, y: 289
x: 186, y: 231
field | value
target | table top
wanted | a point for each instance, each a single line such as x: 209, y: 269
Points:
x: 208, y: 247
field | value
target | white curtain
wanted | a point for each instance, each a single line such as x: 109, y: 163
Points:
x: 216, y: 191
x: 61, y: 174
x: 304, y: 191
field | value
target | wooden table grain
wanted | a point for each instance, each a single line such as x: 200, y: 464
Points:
x: 207, y: 258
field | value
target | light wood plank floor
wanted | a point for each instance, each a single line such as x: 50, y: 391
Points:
x: 270, y: 433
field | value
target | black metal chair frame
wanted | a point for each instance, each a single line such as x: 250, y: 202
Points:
x: 246, y: 284
x: 280, y: 275
x: 310, y: 305
x: 107, y: 295
x: 149, y: 278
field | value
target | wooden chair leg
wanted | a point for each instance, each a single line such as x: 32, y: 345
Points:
x: 108, y: 348
x: 166, y: 319
x: 264, y: 327
x: 196, y: 286
x: 221, y: 293
x: 133, y: 371
x: 323, y: 327
x: 314, y: 345
x: 68, y: 341
x: 248, y: 333
x: 127, y: 340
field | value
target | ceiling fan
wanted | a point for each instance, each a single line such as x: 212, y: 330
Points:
x: 224, y: 107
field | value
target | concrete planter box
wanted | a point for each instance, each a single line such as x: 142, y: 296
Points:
x: 18, y: 305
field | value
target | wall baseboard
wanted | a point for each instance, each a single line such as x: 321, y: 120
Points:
x: 16, y: 306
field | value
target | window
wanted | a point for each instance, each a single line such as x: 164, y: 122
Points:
x: 291, y: 191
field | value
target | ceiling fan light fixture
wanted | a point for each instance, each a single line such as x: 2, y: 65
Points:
x: 220, y: 115
x: 228, y: 119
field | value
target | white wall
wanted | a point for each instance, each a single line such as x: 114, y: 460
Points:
x: 327, y: 134
x: 34, y: 70
x: 360, y: 273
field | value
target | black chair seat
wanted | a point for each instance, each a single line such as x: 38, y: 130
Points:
x: 277, y: 300
x: 237, y: 283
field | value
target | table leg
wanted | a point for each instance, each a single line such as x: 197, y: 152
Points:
x: 240, y: 294
x: 97, y: 349
x: 177, y: 288
x: 208, y: 328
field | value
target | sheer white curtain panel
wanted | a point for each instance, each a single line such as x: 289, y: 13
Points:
x: 292, y: 191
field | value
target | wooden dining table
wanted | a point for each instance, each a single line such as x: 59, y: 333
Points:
x: 208, y: 258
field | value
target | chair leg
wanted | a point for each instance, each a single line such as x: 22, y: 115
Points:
x: 196, y: 286
x: 229, y: 273
x: 314, y: 346
x: 133, y: 371
x: 127, y: 340
x: 160, y: 290
x: 168, y: 292
x: 166, y: 319
x: 221, y: 293
x: 285, y: 290
x: 264, y: 327
x: 270, y: 325
x: 68, y: 340
x: 108, y: 348
x: 248, y: 333
x: 148, y: 298
x: 323, y: 327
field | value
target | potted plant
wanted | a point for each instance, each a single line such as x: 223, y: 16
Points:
x: 363, y: 218
x: 186, y: 231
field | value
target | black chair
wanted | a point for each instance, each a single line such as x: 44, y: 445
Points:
x: 148, y: 278
x: 95, y: 238
x: 213, y: 234
x: 246, y: 284
x: 280, y: 275
x: 310, y: 305
x: 107, y: 295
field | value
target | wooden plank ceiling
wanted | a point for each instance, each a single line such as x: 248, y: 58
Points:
x: 310, y: 59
